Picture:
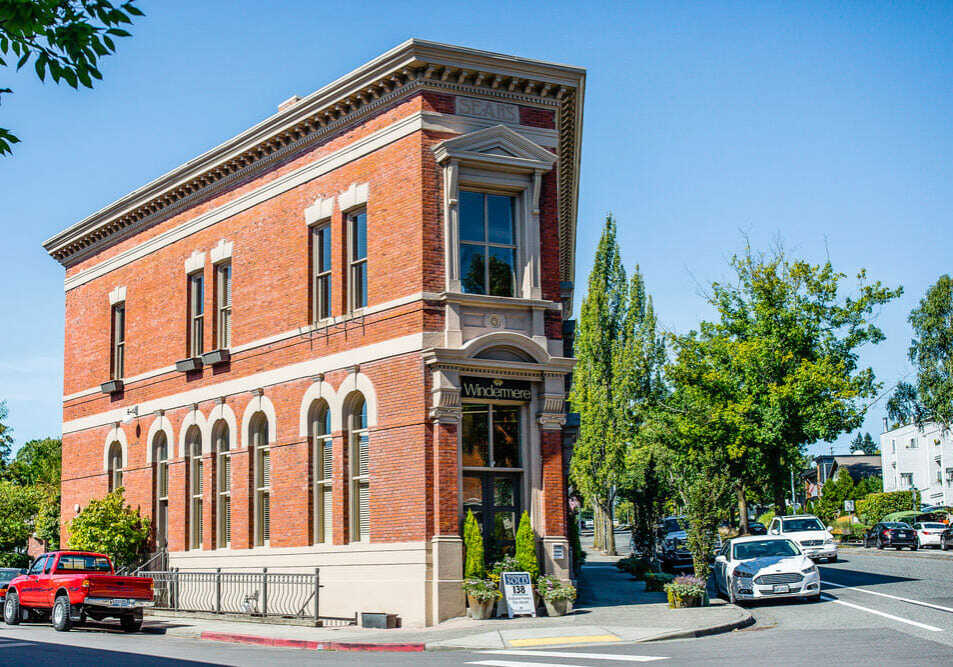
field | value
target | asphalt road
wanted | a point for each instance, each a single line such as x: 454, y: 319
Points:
x: 880, y: 608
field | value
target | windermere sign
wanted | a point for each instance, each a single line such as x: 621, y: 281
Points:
x: 496, y: 389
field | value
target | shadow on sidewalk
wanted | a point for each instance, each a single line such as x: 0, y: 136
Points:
x: 601, y: 584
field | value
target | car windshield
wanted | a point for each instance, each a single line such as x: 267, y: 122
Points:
x: 83, y: 563
x: 938, y: 526
x: 799, y: 525
x: 765, y: 549
x: 674, y: 524
x: 896, y: 524
x: 7, y: 575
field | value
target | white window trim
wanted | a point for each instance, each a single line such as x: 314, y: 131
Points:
x: 320, y: 211
x: 222, y: 251
x: 195, y: 262
x: 220, y: 494
x: 116, y: 295
x: 349, y: 240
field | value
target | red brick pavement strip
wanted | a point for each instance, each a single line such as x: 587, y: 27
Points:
x: 407, y: 647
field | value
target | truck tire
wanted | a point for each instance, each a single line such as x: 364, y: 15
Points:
x: 60, y: 615
x: 130, y: 623
x: 11, y: 609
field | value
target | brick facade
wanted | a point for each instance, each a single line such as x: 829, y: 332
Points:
x: 403, y: 353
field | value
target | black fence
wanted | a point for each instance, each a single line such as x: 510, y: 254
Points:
x: 260, y: 594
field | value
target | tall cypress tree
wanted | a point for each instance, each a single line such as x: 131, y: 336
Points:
x: 599, y: 454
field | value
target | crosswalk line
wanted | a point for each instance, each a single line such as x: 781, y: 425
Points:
x: 917, y: 624
x: 578, y: 656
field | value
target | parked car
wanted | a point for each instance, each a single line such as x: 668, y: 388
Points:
x: 756, y: 567
x: 7, y: 574
x: 891, y: 534
x: 73, y: 586
x: 928, y: 533
x: 757, y: 528
x: 673, y: 541
x: 810, y: 534
x: 946, y: 538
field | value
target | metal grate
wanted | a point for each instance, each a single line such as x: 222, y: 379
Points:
x: 811, y: 543
x: 781, y: 578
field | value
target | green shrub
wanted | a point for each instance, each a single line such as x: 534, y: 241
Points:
x: 655, y: 581
x: 876, y: 506
x: 481, y: 589
x: 111, y: 527
x: 766, y: 518
x: 526, y: 547
x: 686, y: 590
x: 636, y: 566
x: 474, y: 568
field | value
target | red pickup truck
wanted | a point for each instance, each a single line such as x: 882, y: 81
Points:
x: 73, y: 586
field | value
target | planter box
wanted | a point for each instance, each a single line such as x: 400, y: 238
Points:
x: 480, y: 611
x: 190, y: 364
x: 379, y: 621
x: 558, y: 607
x: 216, y: 357
x: 111, y: 387
x: 683, y: 603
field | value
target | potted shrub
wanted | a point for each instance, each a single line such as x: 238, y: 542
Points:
x: 506, y: 564
x: 481, y: 595
x: 655, y: 582
x: 557, y: 595
x: 686, y: 591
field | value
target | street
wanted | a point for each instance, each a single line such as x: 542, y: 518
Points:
x: 878, y: 607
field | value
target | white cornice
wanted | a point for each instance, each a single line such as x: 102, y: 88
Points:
x: 402, y: 70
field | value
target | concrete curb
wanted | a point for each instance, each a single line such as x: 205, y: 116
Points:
x: 745, y: 621
x: 407, y: 647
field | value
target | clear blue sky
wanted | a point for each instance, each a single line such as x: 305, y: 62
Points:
x: 825, y: 125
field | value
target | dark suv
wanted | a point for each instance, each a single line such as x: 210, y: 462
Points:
x: 891, y: 534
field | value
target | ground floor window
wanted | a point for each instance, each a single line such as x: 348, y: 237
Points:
x: 495, y: 501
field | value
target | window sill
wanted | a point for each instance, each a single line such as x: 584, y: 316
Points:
x: 500, y: 301
x: 189, y: 364
x: 214, y: 357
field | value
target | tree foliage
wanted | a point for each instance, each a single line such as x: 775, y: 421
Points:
x: 777, y: 371
x: 64, y: 38
x: 6, y: 440
x: 474, y: 566
x: 18, y: 507
x: 111, y: 527
x: 931, y: 351
x: 864, y: 444
x: 876, y: 506
x: 526, y: 547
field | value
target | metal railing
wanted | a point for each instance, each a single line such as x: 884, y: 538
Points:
x: 250, y: 593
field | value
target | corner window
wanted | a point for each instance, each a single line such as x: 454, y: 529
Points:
x: 320, y: 273
x: 491, y: 435
x: 118, y: 363
x: 487, y: 244
x: 196, y: 325
x: 223, y: 305
x: 357, y: 258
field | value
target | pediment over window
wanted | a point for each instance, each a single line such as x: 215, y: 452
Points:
x: 496, y: 147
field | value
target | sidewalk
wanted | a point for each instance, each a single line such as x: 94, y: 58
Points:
x: 612, y: 608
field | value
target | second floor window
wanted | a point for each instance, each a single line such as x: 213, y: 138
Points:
x: 906, y: 480
x: 320, y: 273
x: 357, y: 258
x: 196, y: 314
x: 487, y: 244
x: 118, y: 363
x: 223, y: 305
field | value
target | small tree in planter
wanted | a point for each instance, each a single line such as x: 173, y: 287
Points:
x: 686, y: 591
x: 557, y: 595
x: 481, y: 592
x: 526, y: 548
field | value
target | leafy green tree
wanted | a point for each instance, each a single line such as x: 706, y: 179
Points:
x: 878, y: 505
x: 39, y: 462
x: 865, y: 444
x: 704, y: 493
x: 599, y: 453
x: 6, y: 440
x: 109, y: 526
x: 526, y: 547
x: 65, y: 38
x: 931, y: 351
x: 835, y: 492
x: 474, y: 567
x: 778, y: 370
x: 47, y: 522
x: 18, y: 506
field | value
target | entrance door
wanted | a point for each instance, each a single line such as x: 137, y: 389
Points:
x: 494, y: 499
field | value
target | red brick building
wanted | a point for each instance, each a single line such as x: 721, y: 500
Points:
x: 321, y: 342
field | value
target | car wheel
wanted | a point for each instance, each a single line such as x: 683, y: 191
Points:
x: 880, y: 543
x: 130, y: 623
x: 731, y: 591
x: 915, y: 547
x: 61, y: 619
x: 832, y: 559
x: 11, y: 609
x: 943, y: 546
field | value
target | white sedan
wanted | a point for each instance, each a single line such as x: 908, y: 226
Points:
x: 928, y: 533
x: 760, y: 567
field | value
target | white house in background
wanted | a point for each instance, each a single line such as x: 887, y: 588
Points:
x: 919, y: 458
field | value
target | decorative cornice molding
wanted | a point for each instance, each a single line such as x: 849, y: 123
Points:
x: 117, y: 295
x: 195, y: 262
x: 411, y: 66
x: 222, y: 251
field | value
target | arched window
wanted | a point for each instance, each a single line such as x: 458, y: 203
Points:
x: 193, y: 457
x: 356, y: 419
x: 262, y: 477
x: 322, y: 471
x: 160, y: 482
x: 223, y: 484
x: 115, y: 466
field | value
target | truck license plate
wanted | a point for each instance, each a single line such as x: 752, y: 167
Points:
x: 120, y: 603
x: 781, y: 588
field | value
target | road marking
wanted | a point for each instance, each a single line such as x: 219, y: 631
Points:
x: 893, y: 597
x: 881, y: 613
x: 580, y: 656
x: 518, y: 663
x: 569, y: 639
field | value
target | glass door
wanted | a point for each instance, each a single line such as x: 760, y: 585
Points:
x: 494, y: 499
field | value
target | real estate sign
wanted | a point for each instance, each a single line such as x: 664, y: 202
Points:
x: 518, y: 592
